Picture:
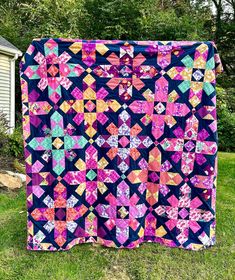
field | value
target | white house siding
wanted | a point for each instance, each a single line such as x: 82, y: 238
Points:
x: 5, y: 85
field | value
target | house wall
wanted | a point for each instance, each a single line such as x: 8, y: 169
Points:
x: 5, y: 85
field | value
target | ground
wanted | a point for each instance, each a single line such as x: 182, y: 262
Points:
x: 149, y: 261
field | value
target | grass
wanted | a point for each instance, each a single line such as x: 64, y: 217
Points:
x: 149, y: 261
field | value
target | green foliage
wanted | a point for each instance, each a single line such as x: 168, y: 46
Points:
x: 40, y: 18
x: 21, y: 21
x: 15, y: 143
x: 18, y: 166
x: 10, y: 144
x: 226, y: 119
x: 111, y: 19
x: 167, y: 20
x: 144, y: 20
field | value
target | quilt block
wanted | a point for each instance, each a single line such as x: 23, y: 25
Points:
x: 120, y: 142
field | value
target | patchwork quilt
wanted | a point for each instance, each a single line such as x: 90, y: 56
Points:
x: 120, y: 142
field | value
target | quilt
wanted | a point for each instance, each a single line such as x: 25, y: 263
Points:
x: 120, y: 142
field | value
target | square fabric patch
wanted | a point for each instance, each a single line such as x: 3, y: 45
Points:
x: 120, y: 142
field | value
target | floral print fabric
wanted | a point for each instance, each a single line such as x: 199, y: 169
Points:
x: 120, y: 141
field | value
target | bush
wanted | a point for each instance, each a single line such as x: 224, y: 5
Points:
x: 15, y: 143
x: 10, y: 144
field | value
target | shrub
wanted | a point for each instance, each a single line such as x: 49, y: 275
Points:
x: 15, y: 143
x: 10, y: 144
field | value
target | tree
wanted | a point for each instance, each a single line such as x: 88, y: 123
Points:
x: 225, y: 32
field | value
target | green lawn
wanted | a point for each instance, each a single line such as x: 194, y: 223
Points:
x: 149, y: 261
